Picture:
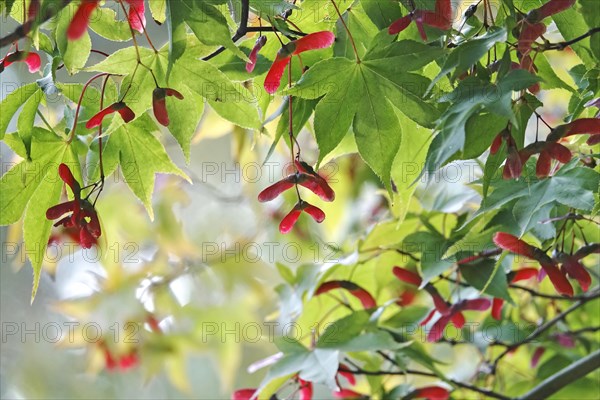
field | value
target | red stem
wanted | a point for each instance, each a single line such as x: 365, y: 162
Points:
x: 93, y: 78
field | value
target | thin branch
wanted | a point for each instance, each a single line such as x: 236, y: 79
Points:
x: 543, y: 328
x: 563, y: 45
x: 589, y: 329
x: 535, y: 293
x: 93, y: 78
x: 240, y: 33
x: 267, y: 29
x: 564, y: 377
x: 483, y: 254
x: 23, y: 30
x: 360, y: 371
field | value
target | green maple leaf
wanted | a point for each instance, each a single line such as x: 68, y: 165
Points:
x: 124, y: 62
x: 141, y: 156
x: 41, y: 192
x: 363, y: 95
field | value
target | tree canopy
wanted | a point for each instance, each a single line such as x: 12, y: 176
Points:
x: 428, y: 170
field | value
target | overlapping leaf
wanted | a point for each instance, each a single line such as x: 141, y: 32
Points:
x: 364, y: 96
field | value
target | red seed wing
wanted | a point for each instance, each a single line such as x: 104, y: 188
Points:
x: 407, y: 276
x: 318, y: 186
x: 327, y: 286
x: 288, y: 222
x: 559, y: 152
x: 315, y: 212
x: 584, y: 125
x: 365, y: 298
x: 506, y: 241
x: 529, y: 34
x: 260, y: 42
x: 173, y: 92
x: 313, y: 41
x: 524, y: 274
x: 33, y: 62
x: 81, y: 19
x: 496, y: 143
x: 276, y: 189
x: 306, y: 390
x: 400, y: 24
x: 552, y: 7
x: 458, y: 320
x: 432, y: 393
x: 434, y: 19
x: 558, y: 279
x: 437, y: 330
x: 59, y: 210
x: 497, y: 308
x: 127, y: 114
x: 537, y: 354
x: 136, y: 16
x: 273, y: 78
x: 243, y: 394
x: 476, y: 304
x: 544, y: 162
x: 159, y: 106
x: 96, y: 120
x: 577, y: 271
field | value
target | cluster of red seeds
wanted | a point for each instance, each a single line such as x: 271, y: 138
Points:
x: 548, y: 150
x: 570, y: 264
x: 78, y: 213
x: 441, y: 18
x: 307, y: 177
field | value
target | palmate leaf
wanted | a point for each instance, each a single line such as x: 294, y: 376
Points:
x: 16, y: 188
x: 364, y: 96
x: 141, y: 156
x: 123, y: 62
x: 232, y: 101
x: 47, y: 151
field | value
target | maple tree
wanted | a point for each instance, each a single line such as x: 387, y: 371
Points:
x: 394, y: 94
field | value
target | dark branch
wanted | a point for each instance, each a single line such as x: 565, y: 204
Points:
x: 268, y: 29
x: 244, y: 28
x: 563, y: 45
x: 535, y: 293
x: 489, y: 393
x: 241, y: 31
x: 23, y: 30
x: 589, y: 329
x: 543, y: 328
x: 562, y: 378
